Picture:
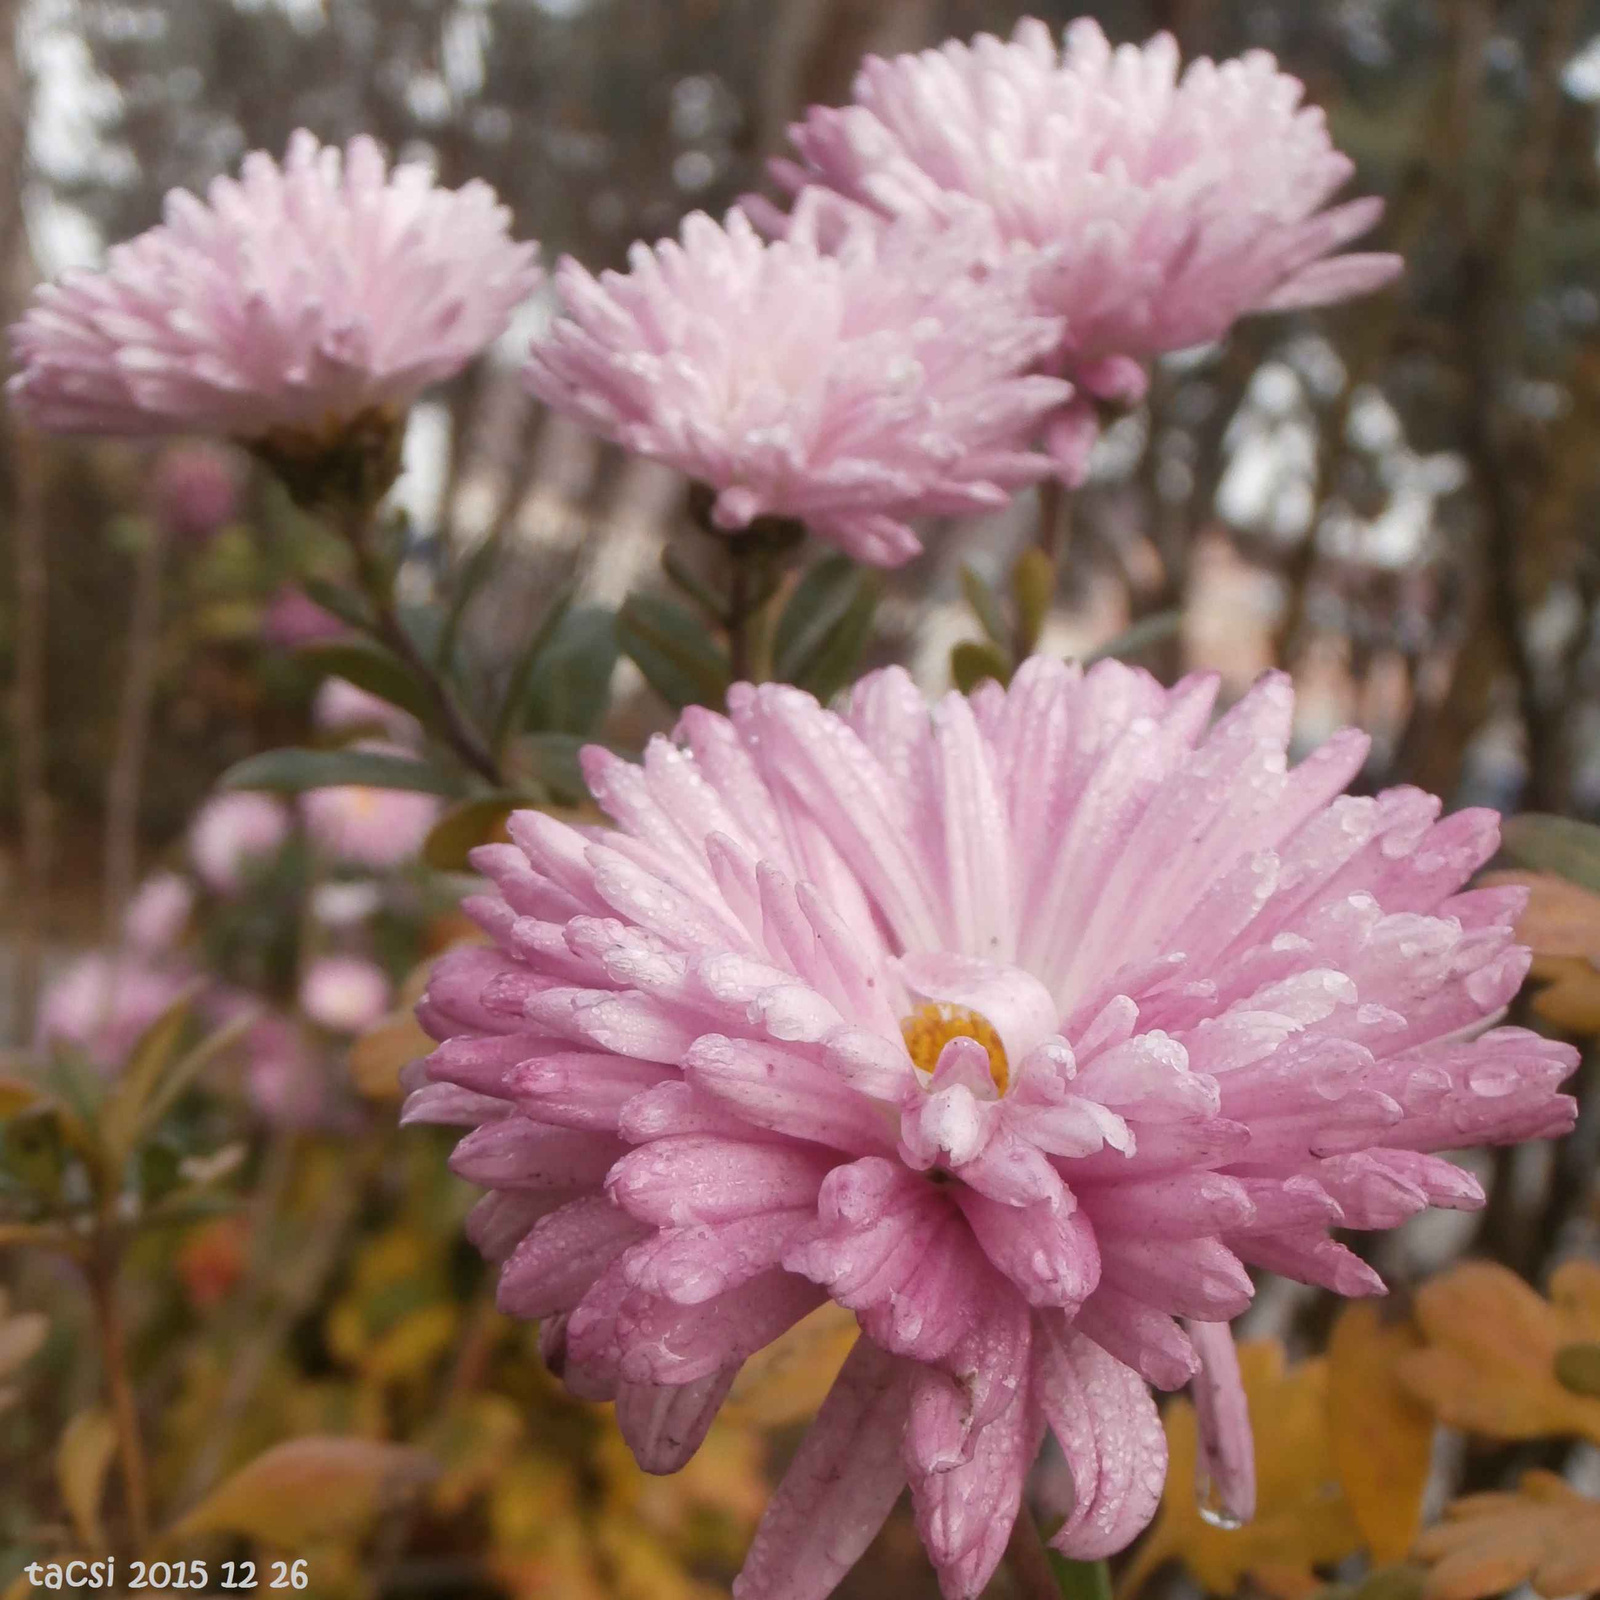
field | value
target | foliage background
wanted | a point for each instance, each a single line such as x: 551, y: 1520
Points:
x: 1397, y: 501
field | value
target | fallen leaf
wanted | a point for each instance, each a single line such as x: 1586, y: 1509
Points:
x: 309, y: 1488
x: 1561, y: 925
x: 88, y: 1443
x: 1491, y: 1346
x: 1545, y: 1534
x: 1380, y: 1434
x: 1302, y: 1518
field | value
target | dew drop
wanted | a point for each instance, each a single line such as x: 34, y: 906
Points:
x: 1211, y: 1506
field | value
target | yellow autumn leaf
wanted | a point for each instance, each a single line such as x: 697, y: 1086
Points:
x: 788, y: 1380
x: 1546, y: 1534
x: 639, y: 1567
x: 1381, y: 1435
x: 411, y: 1347
x: 473, y: 1440
x: 1491, y: 1343
x: 1302, y: 1517
x: 1561, y: 925
x: 310, y: 1488
x: 83, y: 1456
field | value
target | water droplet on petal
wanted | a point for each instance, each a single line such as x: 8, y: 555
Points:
x: 1212, y: 1508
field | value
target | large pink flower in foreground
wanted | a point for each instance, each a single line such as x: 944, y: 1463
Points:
x: 294, y: 299
x: 1162, y: 208
x: 1019, y: 1029
x: 851, y: 387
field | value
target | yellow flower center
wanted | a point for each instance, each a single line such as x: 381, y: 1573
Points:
x: 932, y: 1026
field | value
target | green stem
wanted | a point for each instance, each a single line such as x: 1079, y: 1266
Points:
x: 378, y: 586
x: 1038, y: 1573
x: 103, y: 1272
x: 741, y: 609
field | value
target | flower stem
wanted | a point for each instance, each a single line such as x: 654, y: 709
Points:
x: 103, y: 1270
x: 741, y: 610
x: 378, y: 586
x: 1039, y: 1574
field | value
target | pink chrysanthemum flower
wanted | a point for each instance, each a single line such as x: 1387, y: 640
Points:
x: 361, y: 826
x: 1020, y: 1029
x: 292, y: 301
x: 234, y: 835
x: 101, y: 1005
x: 1162, y: 208
x: 851, y: 388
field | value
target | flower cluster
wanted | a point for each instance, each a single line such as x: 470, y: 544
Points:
x: 1019, y: 1029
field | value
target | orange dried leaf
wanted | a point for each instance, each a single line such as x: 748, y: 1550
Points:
x: 1491, y: 1342
x: 1302, y: 1518
x: 1546, y: 1534
x: 311, y: 1488
x: 1381, y: 1435
x: 1561, y: 918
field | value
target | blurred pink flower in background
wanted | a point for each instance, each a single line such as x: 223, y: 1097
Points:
x: 344, y: 994
x: 852, y: 386
x: 292, y: 618
x: 359, y: 826
x: 194, y: 490
x: 296, y: 297
x: 158, y: 913
x: 282, y: 1074
x: 234, y: 832
x: 101, y: 1005
x: 340, y: 707
x: 1159, y: 208
x: 1019, y: 1028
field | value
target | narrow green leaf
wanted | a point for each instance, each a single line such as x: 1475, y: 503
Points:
x: 293, y: 771
x: 350, y: 608
x: 1134, y: 641
x: 1560, y: 845
x: 833, y: 663
x: 474, y: 572
x: 973, y: 660
x: 510, y: 716
x: 152, y: 1057
x: 569, y: 683
x: 184, y: 1072
x: 985, y: 604
x: 553, y: 759
x: 369, y: 667
x: 673, y: 651
x: 815, y: 609
x: 687, y: 580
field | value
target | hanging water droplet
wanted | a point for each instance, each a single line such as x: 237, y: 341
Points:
x: 1213, y: 1509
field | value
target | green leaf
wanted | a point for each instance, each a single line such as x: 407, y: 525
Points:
x: 569, y: 684
x: 552, y: 759
x: 464, y: 827
x: 672, y: 649
x: 1033, y: 587
x: 127, y: 1109
x: 1560, y: 845
x: 985, y: 604
x: 293, y: 771
x: 684, y: 578
x: 974, y: 660
x: 833, y: 664
x: 1140, y: 637
x: 815, y: 609
x: 350, y: 608
x: 511, y: 715
x: 370, y: 667
x: 473, y: 573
